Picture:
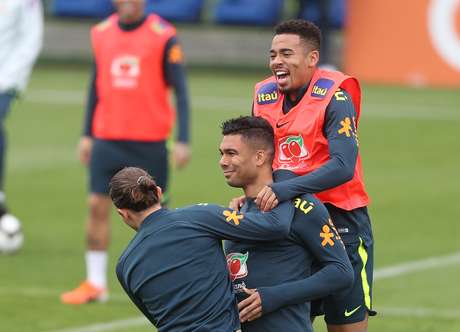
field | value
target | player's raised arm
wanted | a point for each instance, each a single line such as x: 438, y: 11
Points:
x: 229, y: 224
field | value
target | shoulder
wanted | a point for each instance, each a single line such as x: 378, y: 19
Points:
x: 201, y: 208
x: 105, y: 24
x: 266, y: 92
x: 309, y: 209
x: 267, y: 82
x: 160, y: 26
x: 341, y: 95
x: 202, y: 212
x: 341, y: 103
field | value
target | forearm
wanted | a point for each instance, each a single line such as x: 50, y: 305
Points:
x: 331, y: 279
x: 251, y: 226
x: 176, y: 78
x: 182, y: 104
x: 338, y: 170
x: 90, y: 105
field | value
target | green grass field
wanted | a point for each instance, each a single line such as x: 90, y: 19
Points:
x: 410, y: 145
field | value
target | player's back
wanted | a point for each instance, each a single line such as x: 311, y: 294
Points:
x: 179, y: 272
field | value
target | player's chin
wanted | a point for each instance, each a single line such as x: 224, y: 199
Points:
x: 234, y: 183
x: 284, y: 87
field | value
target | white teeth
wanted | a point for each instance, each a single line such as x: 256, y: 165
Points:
x: 281, y: 74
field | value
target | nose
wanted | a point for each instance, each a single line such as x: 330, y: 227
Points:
x: 275, y: 61
x: 223, y: 162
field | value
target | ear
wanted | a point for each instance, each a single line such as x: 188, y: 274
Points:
x: 159, y: 194
x: 261, y: 157
x: 123, y: 213
x: 313, y: 58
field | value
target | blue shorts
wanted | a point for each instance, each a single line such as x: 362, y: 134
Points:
x: 108, y: 157
x: 352, y: 305
x: 6, y: 99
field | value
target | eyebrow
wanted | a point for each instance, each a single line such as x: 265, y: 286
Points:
x: 227, y: 150
x: 282, y: 50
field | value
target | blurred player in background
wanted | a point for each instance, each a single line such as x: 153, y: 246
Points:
x: 128, y: 120
x: 21, y: 37
x: 315, y: 115
x: 174, y: 269
x: 278, y: 274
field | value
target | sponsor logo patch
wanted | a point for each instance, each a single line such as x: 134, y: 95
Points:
x: 327, y: 236
x: 349, y: 313
x: 292, y: 149
x: 232, y: 217
x: 158, y: 27
x: 321, y: 87
x: 348, y: 128
x: 236, y: 263
x: 175, y: 54
x: 125, y: 70
x: 303, y: 205
x: 267, y: 94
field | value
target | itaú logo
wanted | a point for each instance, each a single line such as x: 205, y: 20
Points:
x: 445, y: 37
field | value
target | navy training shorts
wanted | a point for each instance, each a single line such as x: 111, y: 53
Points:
x: 108, y: 157
x: 352, y: 305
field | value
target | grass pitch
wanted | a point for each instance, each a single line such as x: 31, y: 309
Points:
x: 409, y: 140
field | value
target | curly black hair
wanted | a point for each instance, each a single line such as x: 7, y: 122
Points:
x: 306, y: 30
x: 253, y: 129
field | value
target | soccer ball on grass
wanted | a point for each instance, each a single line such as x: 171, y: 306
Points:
x: 11, y: 236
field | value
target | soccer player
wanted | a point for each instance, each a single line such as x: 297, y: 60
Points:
x: 174, y: 269
x: 128, y: 120
x: 280, y: 271
x: 315, y: 115
x: 21, y: 38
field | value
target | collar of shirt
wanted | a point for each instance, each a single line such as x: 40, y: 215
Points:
x: 288, y: 103
x: 131, y: 26
x: 153, y: 217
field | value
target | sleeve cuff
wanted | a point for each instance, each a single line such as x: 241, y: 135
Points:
x: 267, y: 299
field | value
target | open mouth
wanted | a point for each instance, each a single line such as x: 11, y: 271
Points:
x: 281, y: 76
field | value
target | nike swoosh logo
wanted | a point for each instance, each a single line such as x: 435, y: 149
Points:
x: 278, y: 125
x: 349, y: 313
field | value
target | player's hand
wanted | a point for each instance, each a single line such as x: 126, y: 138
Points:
x: 266, y: 199
x: 237, y: 203
x: 181, y: 154
x: 85, y: 147
x: 251, y: 307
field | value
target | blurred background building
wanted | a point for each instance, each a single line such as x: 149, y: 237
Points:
x: 213, y: 32
x: 374, y: 40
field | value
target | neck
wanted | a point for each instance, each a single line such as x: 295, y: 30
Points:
x: 139, y: 217
x: 297, y: 94
x: 264, y: 178
x: 132, y: 23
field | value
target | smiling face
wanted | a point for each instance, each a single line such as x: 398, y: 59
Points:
x: 239, y: 161
x: 129, y: 10
x: 292, y: 62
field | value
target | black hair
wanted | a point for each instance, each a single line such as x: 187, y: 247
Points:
x: 133, y: 188
x: 306, y: 30
x: 253, y: 129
